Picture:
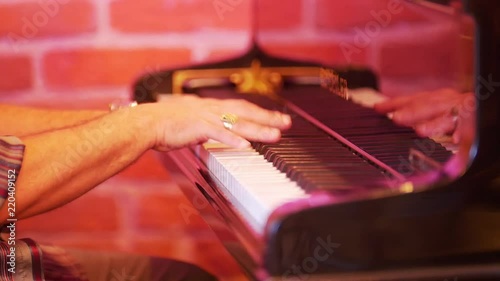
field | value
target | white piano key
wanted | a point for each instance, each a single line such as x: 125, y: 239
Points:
x: 254, y: 183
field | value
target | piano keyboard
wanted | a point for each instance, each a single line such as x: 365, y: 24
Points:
x: 310, y: 158
x: 367, y: 129
x: 250, y: 182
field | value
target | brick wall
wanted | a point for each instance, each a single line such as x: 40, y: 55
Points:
x: 85, y: 53
x: 81, y: 49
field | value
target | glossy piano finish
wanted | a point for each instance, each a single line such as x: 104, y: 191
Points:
x: 473, y: 273
x: 367, y: 229
x: 485, y: 167
x: 449, y: 230
x: 354, y: 235
x: 203, y: 191
x: 455, y: 223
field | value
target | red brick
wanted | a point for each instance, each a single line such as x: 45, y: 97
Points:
x: 87, y: 214
x: 325, y: 53
x: 424, y: 53
x: 279, y: 14
x: 225, y: 54
x: 160, y: 16
x: 341, y: 14
x: 95, y: 67
x: 158, y: 212
x: 15, y: 73
x: 34, y: 20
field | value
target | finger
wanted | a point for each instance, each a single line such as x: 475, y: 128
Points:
x: 250, y: 130
x: 390, y: 105
x: 254, y: 113
x: 441, y: 96
x: 221, y: 134
x: 421, y: 111
x: 393, y: 104
x: 440, y: 126
x: 256, y: 132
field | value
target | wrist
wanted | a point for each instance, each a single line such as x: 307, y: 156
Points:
x: 144, y: 122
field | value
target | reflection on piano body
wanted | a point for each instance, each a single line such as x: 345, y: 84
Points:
x: 345, y: 194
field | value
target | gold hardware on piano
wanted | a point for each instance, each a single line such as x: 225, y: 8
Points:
x: 257, y: 79
x: 331, y: 81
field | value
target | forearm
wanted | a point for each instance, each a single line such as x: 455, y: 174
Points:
x: 24, y: 121
x: 59, y: 166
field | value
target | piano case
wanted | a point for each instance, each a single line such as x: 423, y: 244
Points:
x: 448, y: 231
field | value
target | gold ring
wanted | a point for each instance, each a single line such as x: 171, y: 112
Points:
x: 228, y: 120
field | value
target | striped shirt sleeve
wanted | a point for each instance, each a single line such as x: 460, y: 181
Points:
x: 21, y: 259
x: 11, y: 157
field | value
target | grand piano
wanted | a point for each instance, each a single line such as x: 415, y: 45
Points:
x: 346, y: 194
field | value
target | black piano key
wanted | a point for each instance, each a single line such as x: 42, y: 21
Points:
x: 367, y: 129
x: 318, y: 161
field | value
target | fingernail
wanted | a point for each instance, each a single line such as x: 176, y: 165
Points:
x: 286, y: 119
x: 244, y: 144
x: 268, y: 134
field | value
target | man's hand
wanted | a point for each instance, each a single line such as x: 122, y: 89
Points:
x: 185, y: 120
x: 61, y: 165
x: 435, y: 113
